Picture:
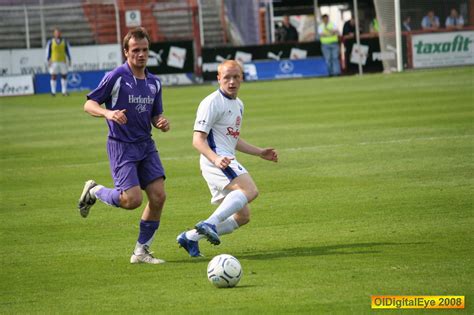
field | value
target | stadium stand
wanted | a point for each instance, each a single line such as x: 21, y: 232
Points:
x: 102, y: 22
x: 174, y: 18
x: 69, y: 18
x: 212, y: 23
x: 86, y: 22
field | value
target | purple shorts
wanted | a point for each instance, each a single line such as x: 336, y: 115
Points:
x: 134, y: 164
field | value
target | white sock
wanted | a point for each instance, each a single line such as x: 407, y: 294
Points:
x: 64, y: 86
x: 227, y: 227
x: 139, y: 250
x: 232, y: 203
x: 95, y: 189
x: 53, y: 86
x: 193, y: 235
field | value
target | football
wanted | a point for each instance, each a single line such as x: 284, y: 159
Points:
x: 224, y: 271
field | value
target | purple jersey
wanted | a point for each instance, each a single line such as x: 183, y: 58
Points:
x: 119, y: 89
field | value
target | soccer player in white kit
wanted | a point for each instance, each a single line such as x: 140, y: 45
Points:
x: 217, y: 137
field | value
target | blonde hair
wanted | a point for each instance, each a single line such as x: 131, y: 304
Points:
x: 229, y: 64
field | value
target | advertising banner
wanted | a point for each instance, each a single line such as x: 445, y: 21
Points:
x: 84, y: 58
x: 16, y: 85
x: 443, y: 49
x: 177, y: 79
x: 370, y: 54
x: 171, y: 57
x: 77, y: 81
x: 284, y: 69
x: 211, y: 57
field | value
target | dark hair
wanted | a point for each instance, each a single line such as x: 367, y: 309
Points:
x: 325, y: 16
x: 137, y: 33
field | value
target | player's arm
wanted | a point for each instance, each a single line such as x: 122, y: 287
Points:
x: 48, y: 52
x: 269, y: 154
x: 161, y: 122
x: 201, y: 144
x: 68, y: 53
x: 94, y: 109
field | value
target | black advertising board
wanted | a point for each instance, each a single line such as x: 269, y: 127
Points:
x: 374, y: 57
x: 171, y: 57
x: 211, y: 57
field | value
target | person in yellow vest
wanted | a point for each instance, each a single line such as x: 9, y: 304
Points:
x: 329, y: 37
x: 58, y: 57
x: 374, y: 26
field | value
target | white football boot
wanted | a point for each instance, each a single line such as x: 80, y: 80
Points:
x: 145, y: 257
x: 87, y: 200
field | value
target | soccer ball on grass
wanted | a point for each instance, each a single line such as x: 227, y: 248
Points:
x: 224, y: 271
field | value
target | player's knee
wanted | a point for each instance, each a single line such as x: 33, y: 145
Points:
x: 131, y: 202
x: 158, y: 199
x: 251, y: 193
x: 242, y: 219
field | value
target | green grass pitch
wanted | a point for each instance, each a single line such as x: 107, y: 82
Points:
x: 372, y: 196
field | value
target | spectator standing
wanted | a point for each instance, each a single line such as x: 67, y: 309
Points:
x: 430, y: 22
x: 374, y: 26
x: 58, y: 57
x: 287, y: 32
x: 328, y: 34
x: 349, y: 28
x: 454, y: 20
x: 407, y: 24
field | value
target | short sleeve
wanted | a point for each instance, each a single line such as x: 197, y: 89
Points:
x: 158, y: 103
x: 205, y: 116
x: 104, y: 91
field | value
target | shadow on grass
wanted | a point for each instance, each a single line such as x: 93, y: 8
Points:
x: 340, y: 249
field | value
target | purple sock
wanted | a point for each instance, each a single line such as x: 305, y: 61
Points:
x: 147, y: 231
x: 110, y: 196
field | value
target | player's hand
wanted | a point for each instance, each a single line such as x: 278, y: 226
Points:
x: 222, y: 161
x: 269, y: 154
x: 163, y: 124
x: 117, y: 115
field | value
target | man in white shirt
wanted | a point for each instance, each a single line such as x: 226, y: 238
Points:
x: 454, y: 21
x: 217, y: 137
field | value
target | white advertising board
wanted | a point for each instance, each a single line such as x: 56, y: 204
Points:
x: 16, y: 85
x: 443, y: 49
x: 84, y: 58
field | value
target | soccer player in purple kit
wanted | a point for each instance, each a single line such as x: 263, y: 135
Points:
x: 133, y: 104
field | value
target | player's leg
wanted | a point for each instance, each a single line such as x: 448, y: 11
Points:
x: 52, y: 81
x: 336, y: 68
x: 235, y: 221
x: 152, y: 179
x: 243, y: 191
x: 149, y: 224
x: 327, y: 57
x: 64, y: 83
x: 126, y: 193
x: 189, y: 239
x: 128, y: 199
x: 63, y: 70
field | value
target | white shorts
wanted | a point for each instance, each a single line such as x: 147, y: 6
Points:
x: 58, y: 68
x: 217, y: 179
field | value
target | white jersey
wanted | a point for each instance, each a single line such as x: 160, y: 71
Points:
x: 221, y: 118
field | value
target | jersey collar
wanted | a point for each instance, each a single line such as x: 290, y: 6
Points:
x: 131, y: 73
x: 225, y: 95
